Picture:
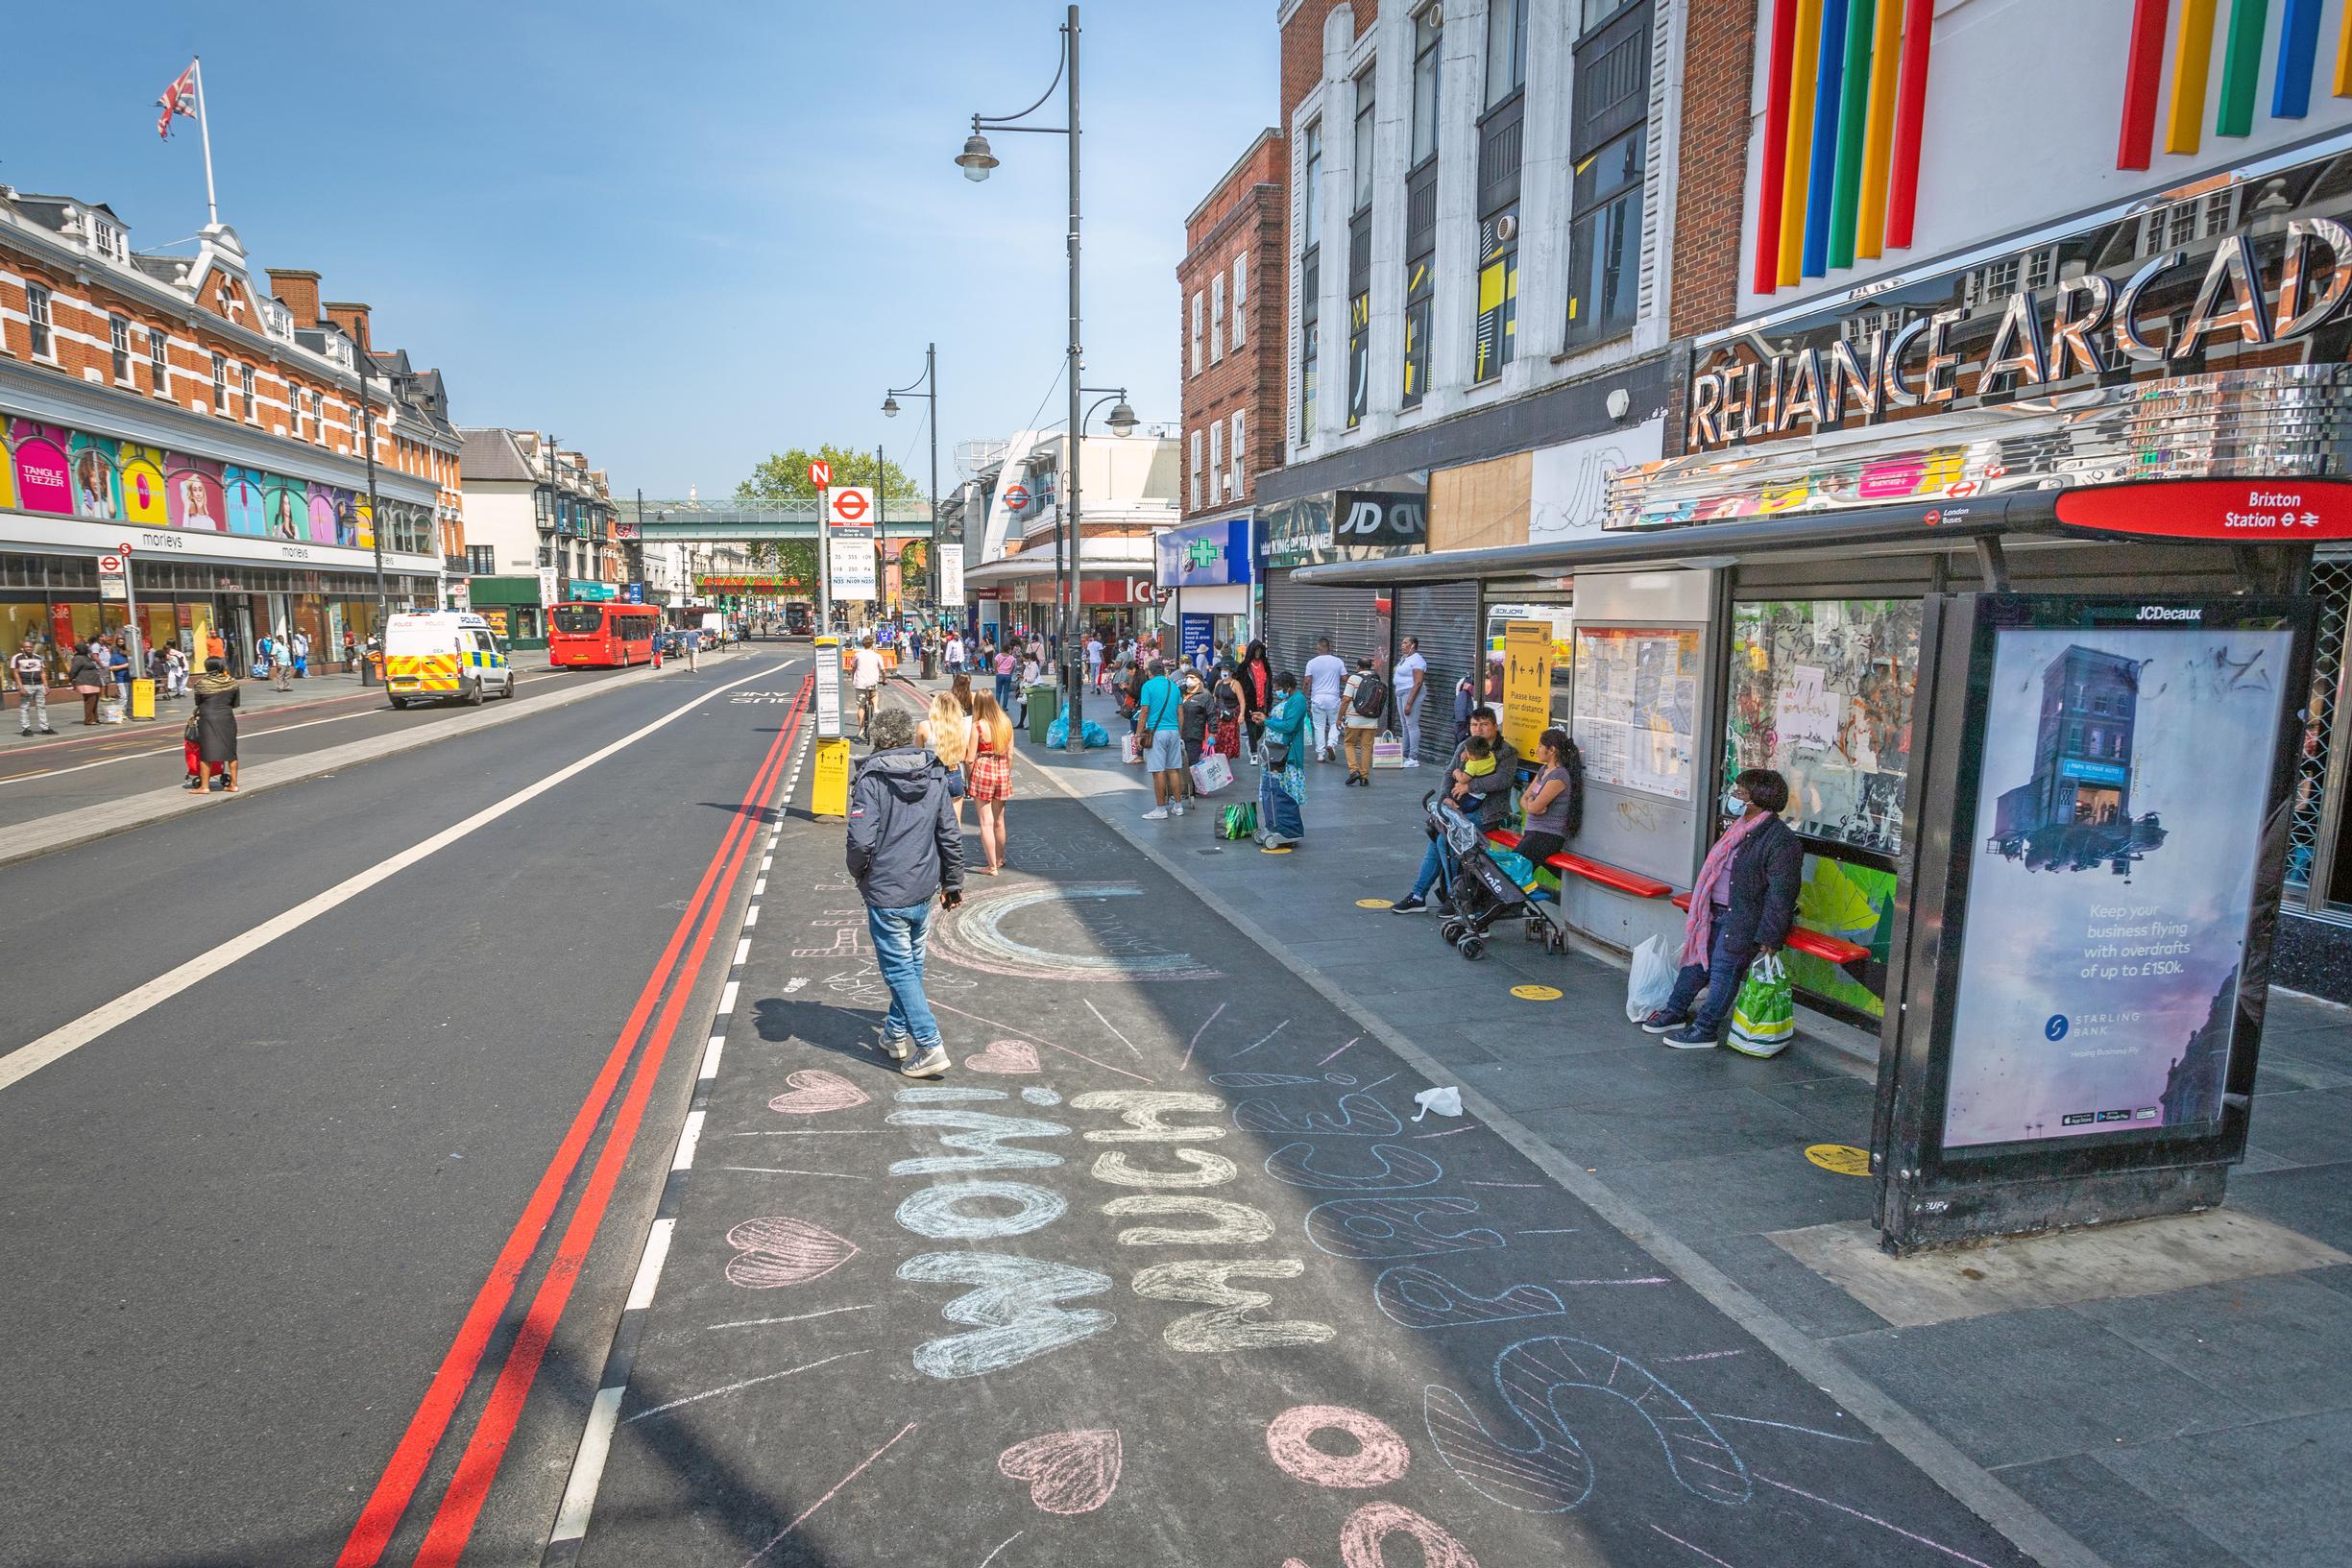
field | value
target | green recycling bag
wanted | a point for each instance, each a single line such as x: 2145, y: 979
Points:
x: 1765, y: 1015
x: 1237, y: 822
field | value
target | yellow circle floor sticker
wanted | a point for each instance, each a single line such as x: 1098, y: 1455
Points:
x: 1535, y: 993
x: 1840, y: 1159
x: 1376, y: 904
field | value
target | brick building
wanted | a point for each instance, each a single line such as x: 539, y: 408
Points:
x: 166, y: 402
x: 1232, y: 284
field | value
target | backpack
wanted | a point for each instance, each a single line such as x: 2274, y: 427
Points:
x: 1372, y: 700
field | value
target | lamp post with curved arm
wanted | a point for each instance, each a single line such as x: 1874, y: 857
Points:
x: 976, y: 160
x: 927, y: 387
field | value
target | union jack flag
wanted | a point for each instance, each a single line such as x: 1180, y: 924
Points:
x: 179, y: 98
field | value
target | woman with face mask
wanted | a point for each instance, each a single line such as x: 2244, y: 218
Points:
x: 1741, y: 908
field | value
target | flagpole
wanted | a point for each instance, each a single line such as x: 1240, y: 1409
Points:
x: 203, y: 130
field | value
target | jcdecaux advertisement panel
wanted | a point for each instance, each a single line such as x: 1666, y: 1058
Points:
x: 2115, y: 877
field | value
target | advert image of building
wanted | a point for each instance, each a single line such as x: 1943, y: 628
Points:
x: 2075, y: 810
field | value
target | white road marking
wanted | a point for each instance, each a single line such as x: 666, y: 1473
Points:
x: 743, y: 951
x: 649, y: 1264
x: 67, y: 1038
x: 759, y: 889
x: 711, y: 1054
x: 588, y: 1466
x: 726, y: 998
x: 687, y: 1137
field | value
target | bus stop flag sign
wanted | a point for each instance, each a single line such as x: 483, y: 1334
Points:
x: 849, y: 553
x: 820, y: 473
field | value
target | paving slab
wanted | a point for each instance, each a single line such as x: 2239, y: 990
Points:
x: 2272, y: 1493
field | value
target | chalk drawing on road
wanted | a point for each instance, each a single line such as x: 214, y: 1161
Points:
x: 1011, y: 1309
x: 1393, y: 1227
x: 1231, y: 1323
x: 1142, y: 1110
x: 1554, y: 1475
x: 1207, y: 1170
x: 812, y: 1091
x: 1037, y: 1094
x: 936, y: 1094
x: 975, y: 936
x: 1262, y: 1080
x: 1398, y: 1169
x: 1380, y: 1454
x: 1421, y: 1298
x: 1228, y: 1224
x: 778, y: 1250
x: 1368, y: 1527
x: 943, y: 1213
x: 1357, y: 1115
x: 1068, y: 1472
x: 1004, y: 1056
x: 983, y: 1138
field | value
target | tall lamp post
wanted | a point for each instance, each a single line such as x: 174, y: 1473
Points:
x: 976, y: 160
x: 927, y: 387
x: 375, y: 519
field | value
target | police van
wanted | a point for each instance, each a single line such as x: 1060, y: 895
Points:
x: 444, y: 655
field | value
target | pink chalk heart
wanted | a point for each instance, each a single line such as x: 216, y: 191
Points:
x: 777, y: 1249
x: 1068, y: 1472
x: 813, y: 1090
x: 1004, y: 1057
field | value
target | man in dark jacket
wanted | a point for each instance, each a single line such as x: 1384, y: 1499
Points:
x: 1481, y: 789
x: 1741, y: 908
x: 903, y: 846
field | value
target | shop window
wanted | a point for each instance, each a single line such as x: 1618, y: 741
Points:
x: 36, y: 320
x: 1497, y: 324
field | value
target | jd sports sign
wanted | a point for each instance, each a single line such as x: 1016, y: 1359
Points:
x: 1380, y: 516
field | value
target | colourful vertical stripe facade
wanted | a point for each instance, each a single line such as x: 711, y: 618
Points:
x: 2189, y: 28
x: 1844, y: 107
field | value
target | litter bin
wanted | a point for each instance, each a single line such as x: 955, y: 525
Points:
x: 931, y: 662
x: 371, y: 670
x: 1043, y: 710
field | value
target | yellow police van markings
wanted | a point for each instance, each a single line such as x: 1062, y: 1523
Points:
x: 1376, y: 904
x: 1535, y: 993
x: 1840, y: 1159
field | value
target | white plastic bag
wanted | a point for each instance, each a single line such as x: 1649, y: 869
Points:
x: 1651, y: 981
x: 1211, y: 773
x: 1446, y: 1101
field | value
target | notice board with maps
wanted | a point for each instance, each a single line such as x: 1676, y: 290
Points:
x: 1636, y: 717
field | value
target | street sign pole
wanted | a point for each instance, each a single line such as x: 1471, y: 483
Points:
x: 130, y: 613
x: 824, y: 555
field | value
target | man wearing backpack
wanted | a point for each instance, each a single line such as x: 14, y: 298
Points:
x: 1367, y: 709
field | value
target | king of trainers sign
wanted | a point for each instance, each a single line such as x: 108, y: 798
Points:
x: 2253, y: 275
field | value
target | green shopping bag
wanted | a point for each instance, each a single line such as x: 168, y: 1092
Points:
x: 1765, y: 1015
x: 1237, y: 822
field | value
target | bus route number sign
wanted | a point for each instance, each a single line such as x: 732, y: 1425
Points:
x: 827, y: 689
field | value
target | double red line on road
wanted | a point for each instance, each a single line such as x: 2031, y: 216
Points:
x: 453, y: 1521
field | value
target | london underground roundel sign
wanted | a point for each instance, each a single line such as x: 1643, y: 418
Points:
x: 1016, y: 497
x: 850, y: 506
x: 2224, y: 510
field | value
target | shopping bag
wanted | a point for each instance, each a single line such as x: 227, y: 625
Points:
x: 1131, y: 748
x: 1211, y: 773
x: 1388, y: 752
x: 1651, y: 984
x: 1237, y: 822
x: 1516, y: 866
x: 111, y: 711
x: 1765, y: 1015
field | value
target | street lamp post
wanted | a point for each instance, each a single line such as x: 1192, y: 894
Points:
x: 976, y: 160
x: 930, y: 381
x: 376, y: 520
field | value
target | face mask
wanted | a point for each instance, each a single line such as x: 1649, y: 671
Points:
x: 1734, y: 805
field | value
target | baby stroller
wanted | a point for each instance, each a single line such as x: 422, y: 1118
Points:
x: 1472, y: 888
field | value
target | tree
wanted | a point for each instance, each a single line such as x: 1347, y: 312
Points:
x: 783, y: 476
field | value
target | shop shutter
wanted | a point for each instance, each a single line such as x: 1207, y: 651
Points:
x: 1297, y: 614
x: 1444, y: 616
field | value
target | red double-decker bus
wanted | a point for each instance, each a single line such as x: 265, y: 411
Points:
x: 606, y: 634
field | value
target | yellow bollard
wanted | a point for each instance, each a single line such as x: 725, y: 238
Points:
x: 142, y: 699
x: 829, y: 792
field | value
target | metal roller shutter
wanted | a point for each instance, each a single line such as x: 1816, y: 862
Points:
x: 1297, y: 614
x: 1445, y: 617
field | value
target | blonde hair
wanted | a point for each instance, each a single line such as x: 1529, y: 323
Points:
x: 987, y: 715
x: 945, y: 724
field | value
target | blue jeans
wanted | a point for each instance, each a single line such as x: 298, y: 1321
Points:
x: 898, y: 952
x: 1433, y: 861
x: 1727, y: 963
x: 1004, y: 692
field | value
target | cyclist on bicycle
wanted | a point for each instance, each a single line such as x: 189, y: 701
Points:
x: 865, y: 675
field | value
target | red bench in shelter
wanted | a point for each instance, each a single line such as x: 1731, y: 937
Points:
x: 1835, y: 950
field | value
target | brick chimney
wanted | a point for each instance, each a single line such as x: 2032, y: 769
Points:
x: 297, y: 291
x: 352, y: 318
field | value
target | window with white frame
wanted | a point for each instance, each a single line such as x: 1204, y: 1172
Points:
x: 158, y: 361
x: 245, y: 393
x: 220, y: 383
x: 1241, y: 298
x: 1196, y: 332
x: 1217, y: 462
x: 1238, y: 472
x: 37, y: 318
x: 1217, y: 318
x: 118, y: 337
x: 1196, y: 464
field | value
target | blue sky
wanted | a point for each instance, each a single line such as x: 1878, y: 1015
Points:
x: 683, y: 235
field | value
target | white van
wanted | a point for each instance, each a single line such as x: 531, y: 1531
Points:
x: 445, y: 655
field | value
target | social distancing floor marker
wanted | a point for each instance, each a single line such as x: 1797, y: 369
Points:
x: 1535, y: 993
x: 1376, y: 904
x: 1840, y: 1159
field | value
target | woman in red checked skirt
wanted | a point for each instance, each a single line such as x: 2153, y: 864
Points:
x: 990, y: 783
